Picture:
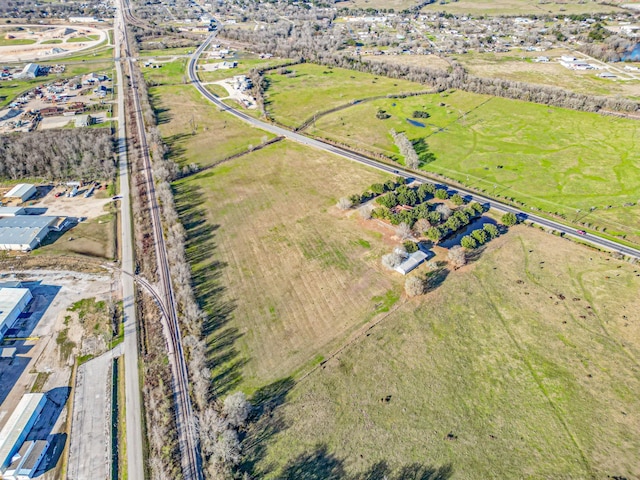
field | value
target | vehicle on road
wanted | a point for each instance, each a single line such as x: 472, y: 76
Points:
x: 581, y: 232
x: 117, y: 197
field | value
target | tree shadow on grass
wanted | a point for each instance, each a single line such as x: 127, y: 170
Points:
x: 266, y: 421
x: 223, y: 357
x: 320, y: 464
x: 162, y: 114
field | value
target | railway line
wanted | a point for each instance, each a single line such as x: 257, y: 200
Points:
x: 189, y: 446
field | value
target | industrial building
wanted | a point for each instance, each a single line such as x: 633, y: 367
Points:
x: 15, y: 431
x: 31, y: 70
x: 13, y: 301
x: 23, y: 191
x: 26, y: 460
x: 11, y: 211
x: 26, y: 232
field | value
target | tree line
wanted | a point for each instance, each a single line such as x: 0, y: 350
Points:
x: 56, y: 155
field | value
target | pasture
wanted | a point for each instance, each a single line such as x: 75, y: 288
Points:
x: 523, y: 364
x: 523, y: 7
x: 246, y: 63
x: 284, y: 276
x: 311, y: 89
x: 195, y: 130
x: 553, y: 159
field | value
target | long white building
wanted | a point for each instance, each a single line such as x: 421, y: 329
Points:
x: 13, y: 301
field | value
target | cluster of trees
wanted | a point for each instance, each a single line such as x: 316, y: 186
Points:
x: 479, y: 236
x: 373, y: 191
x: 79, y: 154
x: 611, y: 50
x: 458, y: 219
x: 411, y: 159
x: 421, y: 114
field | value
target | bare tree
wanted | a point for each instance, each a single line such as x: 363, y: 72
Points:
x: 421, y: 226
x: 404, y: 231
x: 392, y: 260
x: 414, y: 286
x: 344, y: 203
x: 365, y: 212
x: 237, y: 409
x: 443, y: 210
x: 457, y: 257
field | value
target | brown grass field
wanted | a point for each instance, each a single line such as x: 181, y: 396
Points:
x: 523, y: 364
x: 297, y: 274
x: 525, y: 7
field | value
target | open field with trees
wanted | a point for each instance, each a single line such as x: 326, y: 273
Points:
x: 246, y: 62
x: 553, y: 159
x: 309, y: 89
x: 283, y: 274
x: 195, y: 132
x: 522, y: 364
x: 522, y: 7
x: 518, y: 66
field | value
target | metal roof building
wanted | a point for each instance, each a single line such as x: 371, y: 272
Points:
x: 31, y: 70
x: 18, y: 426
x: 11, y: 211
x: 24, y: 232
x: 26, y: 460
x: 13, y: 301
x: 415, y: 259
x: 23, y: 191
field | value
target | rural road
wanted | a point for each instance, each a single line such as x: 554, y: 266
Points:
x: 596, y: 241
x: 133, y: 420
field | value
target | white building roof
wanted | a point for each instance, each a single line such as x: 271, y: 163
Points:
x: 19, y: 190
x: 415, y: 259
x: 11, y: 211
x: 9, y: 299
x: 30, y: 404
x: 23, y: 229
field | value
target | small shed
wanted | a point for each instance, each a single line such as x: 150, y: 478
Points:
x: 23, y: 191
x: 412, y: 261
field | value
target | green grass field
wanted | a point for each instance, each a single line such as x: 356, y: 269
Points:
x: 52, y: 41
x: 6, y: 42
x: 181, y: 109
x: 86, y: 38
x: 292, y: 99
x: 553, y: 159
x: 521, y: 365
x: 523, y: 7
x: 294, y: 276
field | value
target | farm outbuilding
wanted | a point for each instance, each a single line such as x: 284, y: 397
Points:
x: 415, y: 259
x: 25, y: 232
x: 18, y: 426
x: 23, y: 191
x: 13, y: 301
x: 11, y: 211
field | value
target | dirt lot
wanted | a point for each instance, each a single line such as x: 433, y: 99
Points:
x: 78, y: 206
x: 49, y: 336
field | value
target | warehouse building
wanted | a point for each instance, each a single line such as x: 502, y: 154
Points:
x: 12, y: 211
x: 27, y: 460
x: 26, y: 232
x: 13, y: 301
x: 23, y: 191
x: 31, y: 70
x: 18, y: 426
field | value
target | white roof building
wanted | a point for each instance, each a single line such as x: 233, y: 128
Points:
x: 13, y: 302
x: 11, y: 211
x: 25, y: 232
x: 415, y: 259
x: 18, y: 426
x: 23, y: 191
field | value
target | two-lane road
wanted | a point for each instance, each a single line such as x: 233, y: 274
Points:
x: 596, y: 241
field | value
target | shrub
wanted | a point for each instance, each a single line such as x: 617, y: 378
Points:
x: 410, y: 246
x: 491, y: 230
x: 480, y: 236
x: 509, y: 219
x: 434, y: 234
x: 457, y: 199
x: 441, y: 193
x: 421, y: 114
x: 344, y: 203
x: 468, y: 242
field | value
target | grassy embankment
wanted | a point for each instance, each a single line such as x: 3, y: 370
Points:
x: 554, y: 159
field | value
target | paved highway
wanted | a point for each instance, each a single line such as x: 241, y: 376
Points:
x: 596, y: 241
x: 135, y: 455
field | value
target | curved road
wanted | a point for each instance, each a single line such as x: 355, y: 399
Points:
x: 596, y: 241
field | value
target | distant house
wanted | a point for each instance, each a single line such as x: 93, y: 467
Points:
x: 228, y: 65
x: 412, y: 261
x: 23, y: 191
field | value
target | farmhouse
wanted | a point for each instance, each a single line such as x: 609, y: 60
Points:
x: 18, y: 426
x: 26, y: 232
x: 23, y: 191
x: 415, y: 259
x: 13, y: 302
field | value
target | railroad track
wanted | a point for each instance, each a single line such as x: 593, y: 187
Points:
x: 185, y: 420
